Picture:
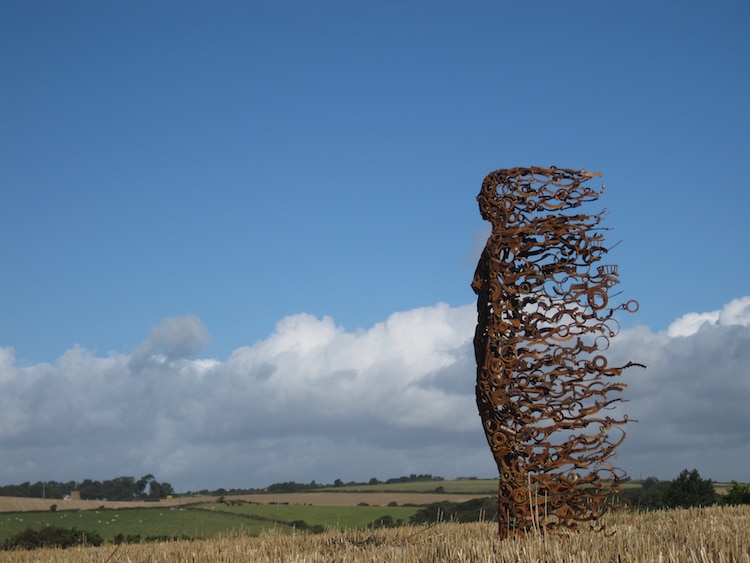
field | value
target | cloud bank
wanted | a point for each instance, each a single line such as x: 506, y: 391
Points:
x: 315, y: 401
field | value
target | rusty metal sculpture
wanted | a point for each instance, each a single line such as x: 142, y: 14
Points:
x: 544, y: 321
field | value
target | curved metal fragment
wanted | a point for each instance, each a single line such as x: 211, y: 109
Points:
x: 544, y: 322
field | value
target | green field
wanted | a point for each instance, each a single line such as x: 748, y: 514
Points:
x: 342, y: 517
x: 208, y: 520
x: 202, y: 521
x: 142, y: 522
x: 211, y: 519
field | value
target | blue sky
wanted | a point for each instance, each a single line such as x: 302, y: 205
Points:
x: 229, y: 166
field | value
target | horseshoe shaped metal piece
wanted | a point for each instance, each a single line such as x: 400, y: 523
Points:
x: 557, y: 392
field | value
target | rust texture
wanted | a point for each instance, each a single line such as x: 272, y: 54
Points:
x: 545, y: 318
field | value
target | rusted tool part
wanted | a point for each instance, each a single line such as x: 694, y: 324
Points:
x: 544, y: 320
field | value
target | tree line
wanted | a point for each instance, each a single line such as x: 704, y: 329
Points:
x: 687, y: 490
x: 119, y: 488
x: 295, y: 487
x: 148, y: 488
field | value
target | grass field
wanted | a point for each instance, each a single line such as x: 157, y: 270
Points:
x: 204, y: 521
x: 714, y: 534
x: 143, y: 522
x: 204, y: 517
x: 342, y: 517
x: 338, y: 508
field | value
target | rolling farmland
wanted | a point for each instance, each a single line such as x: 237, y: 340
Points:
x: 694, y: 535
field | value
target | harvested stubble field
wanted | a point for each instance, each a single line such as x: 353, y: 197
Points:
x: 323, y: 498
x: 715, y: 534
x: 20, y: 504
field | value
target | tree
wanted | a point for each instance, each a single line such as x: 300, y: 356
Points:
x: 142, y: 483
x: 51, y: 536
x: 121, y: 488
x: 166, y: 489
x: 650, y: 495
x: 91, y: 490
x: 650, y: 482
x: 738, y: 494
x: 689, y: 489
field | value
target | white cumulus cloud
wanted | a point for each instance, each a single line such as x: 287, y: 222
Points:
x: 736, y: 312
x: 316, y: 401
x: 174, y: 338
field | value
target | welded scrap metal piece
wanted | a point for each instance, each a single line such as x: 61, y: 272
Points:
x: 544, y: 322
